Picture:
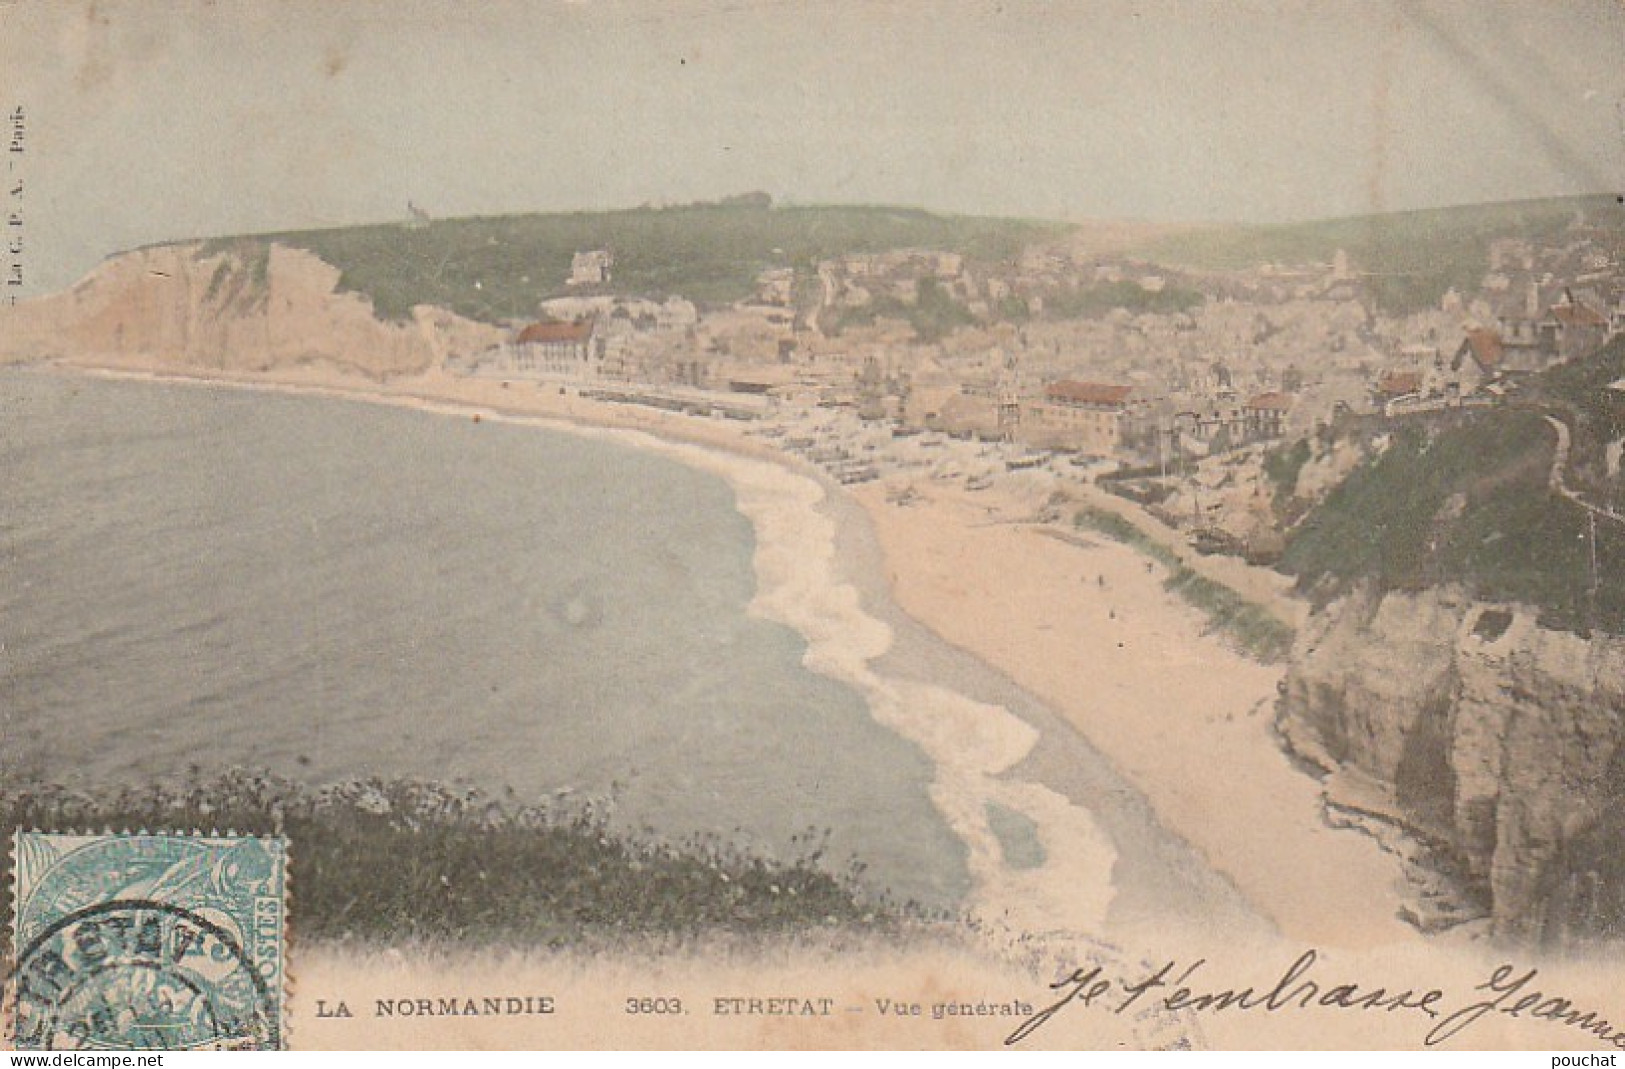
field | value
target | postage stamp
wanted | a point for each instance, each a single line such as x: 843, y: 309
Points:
x: 149, y: 941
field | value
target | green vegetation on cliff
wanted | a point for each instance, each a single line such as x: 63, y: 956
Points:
x: 1102, y: 297
x: 404, y: 861
x: 1579, y: 394
x: 1468, y: 500
x: 499, y: 267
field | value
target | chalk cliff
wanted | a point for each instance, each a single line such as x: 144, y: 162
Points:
x: 1498, y: 741
x: 242, y: 306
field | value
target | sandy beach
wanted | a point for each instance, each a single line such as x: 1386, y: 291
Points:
x: 1079, y: 622
x: 1089, y: 629
x: 1076, y: 696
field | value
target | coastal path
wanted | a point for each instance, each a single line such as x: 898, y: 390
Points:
x: 1560, y: 460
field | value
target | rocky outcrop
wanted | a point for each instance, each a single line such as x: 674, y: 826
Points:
x: 1499, y: 742
x: 242, y: 306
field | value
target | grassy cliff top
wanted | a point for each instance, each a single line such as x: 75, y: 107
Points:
x: 493, y: 268
x: 1409, y: 259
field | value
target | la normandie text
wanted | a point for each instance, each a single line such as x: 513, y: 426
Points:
x: 446, y: 1006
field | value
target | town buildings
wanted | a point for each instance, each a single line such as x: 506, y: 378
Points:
x: 571, y: 351
x: 1138, y: 363
x: 591, y: 268
x: 1097, y: 418
x: 1265, y: 415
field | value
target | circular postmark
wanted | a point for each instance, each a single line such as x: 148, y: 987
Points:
x: 139, y: 974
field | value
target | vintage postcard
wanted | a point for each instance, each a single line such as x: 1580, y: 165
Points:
x: 745, y: 524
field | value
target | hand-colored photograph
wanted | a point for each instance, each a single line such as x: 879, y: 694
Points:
x: 744, y: 524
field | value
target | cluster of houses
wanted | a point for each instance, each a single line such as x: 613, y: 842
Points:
x: 1489, y: 357
x: 1540, y: 303
x: 597, y: 342
x: 1270, y: 353
x: 1121, y: 421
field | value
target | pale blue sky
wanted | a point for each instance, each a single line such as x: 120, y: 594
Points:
x: 166, y: 118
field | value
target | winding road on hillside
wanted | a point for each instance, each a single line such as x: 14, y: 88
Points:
x: 1560, y: 460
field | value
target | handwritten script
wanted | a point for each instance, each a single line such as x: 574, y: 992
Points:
x: 1176, y: 988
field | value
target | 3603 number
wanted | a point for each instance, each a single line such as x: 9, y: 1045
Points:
x: 654, y: 1005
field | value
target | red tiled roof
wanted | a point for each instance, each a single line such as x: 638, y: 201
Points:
x: 1577, y: 315
x: 1485, y: 345
x: 1087, y: 393
x: 542, y: 333
x: 1272, y: 402
x: 1399, y: 383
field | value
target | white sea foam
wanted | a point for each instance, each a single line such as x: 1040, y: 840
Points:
x: 969, y: 743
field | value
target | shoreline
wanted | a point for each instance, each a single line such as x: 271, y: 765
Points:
x: 1087, y: 627
x: 976, y: 574
x: 802, y: 585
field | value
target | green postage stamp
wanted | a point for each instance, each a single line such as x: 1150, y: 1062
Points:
x: 148, y: 941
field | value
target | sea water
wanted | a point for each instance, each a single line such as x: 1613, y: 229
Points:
x: 331, y: 590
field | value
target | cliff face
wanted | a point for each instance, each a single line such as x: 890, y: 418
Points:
x: 1500, y: 742
x: 246, y: 307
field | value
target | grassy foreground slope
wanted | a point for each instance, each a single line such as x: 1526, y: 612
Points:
x: 498, y: 267
x: 404, y: 862
x: 1408, y: 259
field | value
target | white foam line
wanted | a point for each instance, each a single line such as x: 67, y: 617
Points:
x: 969, y: 743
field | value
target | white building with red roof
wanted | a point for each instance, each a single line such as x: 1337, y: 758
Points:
x: 1097, y: 418
x: 1478, y: 360
x: 563, y: 350
x: 1265, y: 415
